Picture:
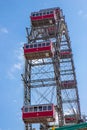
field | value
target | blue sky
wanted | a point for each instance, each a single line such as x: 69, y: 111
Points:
x: 14, y: 17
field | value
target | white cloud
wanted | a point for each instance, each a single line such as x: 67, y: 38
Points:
x: 82, y: 14
x: 19, y: 115
x: 11, y: 75
x: 4, y: 30
x: 17, y: 66
x: 19, y: 54
x: 15, y: 101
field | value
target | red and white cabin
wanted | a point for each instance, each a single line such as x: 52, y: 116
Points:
x: 38, y: 113
x: 65, y: 54
x: 38, y: 50
x: 45, y: 17
x: 70, y: 119
x: 68, y: 84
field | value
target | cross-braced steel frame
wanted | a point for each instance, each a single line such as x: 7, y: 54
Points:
x: 52, y: 80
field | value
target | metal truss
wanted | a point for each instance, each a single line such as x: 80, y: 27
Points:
x: 52, y: 80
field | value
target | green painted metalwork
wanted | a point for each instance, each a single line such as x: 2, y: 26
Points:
x: 73, y: 127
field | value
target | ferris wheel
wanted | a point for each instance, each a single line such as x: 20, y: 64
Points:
x: 50, y: 85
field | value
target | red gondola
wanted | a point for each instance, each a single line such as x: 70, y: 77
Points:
x: 70, y: 119
x: 45, y: 17
x: 68, y: 84
x: 38, y: 113
x: 65, y: 54
x: 38, y: 51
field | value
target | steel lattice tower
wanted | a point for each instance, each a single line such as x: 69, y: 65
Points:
x: 53, y: 79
